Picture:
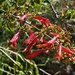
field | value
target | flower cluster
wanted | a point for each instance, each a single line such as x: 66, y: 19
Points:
x: 42, y: 44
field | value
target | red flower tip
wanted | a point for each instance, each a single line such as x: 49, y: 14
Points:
x: 42, y: 45
x: 35, y: 53
x: 67, y: 39
x: 13, y: 41
x: 54, y: 34
x: 67, y: 50
x: 59, y: 28
x: 41, y: 39
x: 59, y: 52
x: 30, y: 32
x: 30, y: 38
x: 23, y: 17
x: 27, y: 49
x: 44, y: 21
x: 53, y: 40
x: 24, y: 50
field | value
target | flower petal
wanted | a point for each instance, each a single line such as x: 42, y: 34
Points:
x: 53, y: 40
x: 35, y: 53
x: 42, y: 45
x: 30, y: 46
x: 31, y: 37
x: 54, y: 34
x: 41, y: 39
x: 59, y: 28
x: 30, y: 32
x: 59, y: 52
x: 44, y: 21
x: 67, y: 39
x: 67, y: 50
x: 13, y: 41
x: 38, y: 17
x: 23, y: 17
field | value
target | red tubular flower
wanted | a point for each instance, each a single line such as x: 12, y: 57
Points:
x: 42, y: 45
x: 59, y: 28
x: 23, y: 17
x: 59, y: 53
x: 53, y: 40
x: 30, y: 38
x: 45, y: 44
x: 13, y: 41
x: 44, y: 21
x: 67, y: 50
x: 41, y: 39
x: 30, y: 46
x: 31, y: 32
x: 35, y: 53
x: 54, y: 34
x: 67, y: 39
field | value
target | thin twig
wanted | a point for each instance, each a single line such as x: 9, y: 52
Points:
x: 44, y: 71
x: 32, y: 25
x: 54, y: 11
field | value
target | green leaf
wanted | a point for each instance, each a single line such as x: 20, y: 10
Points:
x: 19, y: 64
x: 21, y: 2
x: 21, y: 73
x: 38, y: 1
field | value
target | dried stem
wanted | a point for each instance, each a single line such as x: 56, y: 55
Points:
x: 44, y: 71
x: 54, y: 11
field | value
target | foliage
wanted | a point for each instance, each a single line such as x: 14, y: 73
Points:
x: 34, y: 36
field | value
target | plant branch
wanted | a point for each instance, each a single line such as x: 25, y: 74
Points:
x: 54, y: 11
x: 44, y: 71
